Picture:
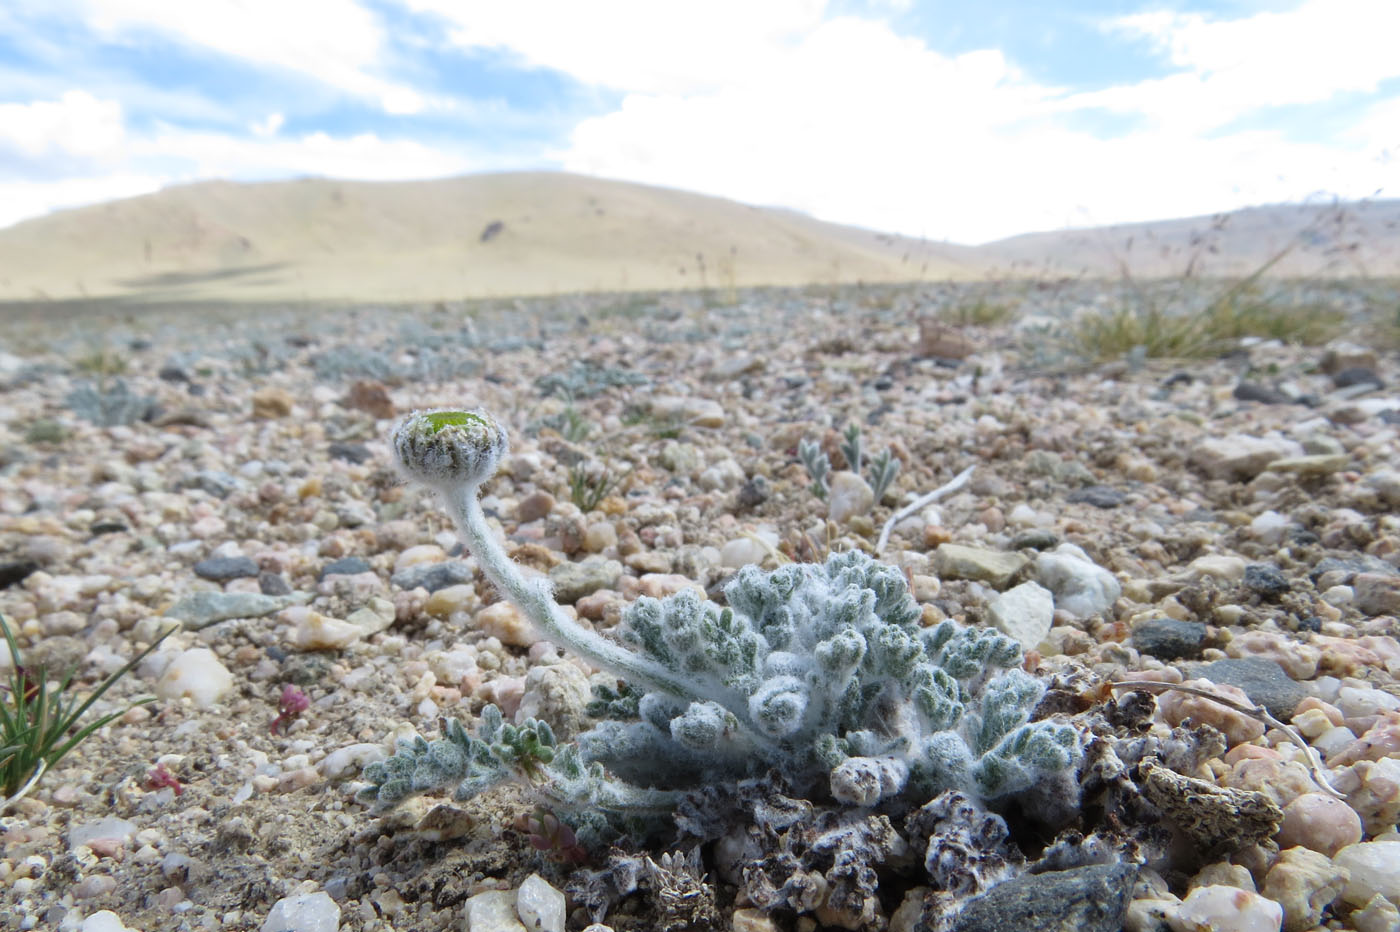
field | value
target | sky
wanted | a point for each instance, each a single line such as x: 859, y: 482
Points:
x: 944, y: 119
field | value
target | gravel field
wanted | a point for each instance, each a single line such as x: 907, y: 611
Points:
x: 1229, y: 522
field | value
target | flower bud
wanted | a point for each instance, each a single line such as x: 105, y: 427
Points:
x: 445, y: 447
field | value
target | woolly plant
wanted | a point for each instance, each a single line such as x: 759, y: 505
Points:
x: 820, y: 672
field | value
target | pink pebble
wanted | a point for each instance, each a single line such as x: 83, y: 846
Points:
x: 1319, y: 822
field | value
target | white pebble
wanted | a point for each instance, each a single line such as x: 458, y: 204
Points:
x: 105, y: 921
x: 195, y: 674
x: 1374, y: 867
x: 306, y: 912
x: 1226, y: 909
x: 539, y: 905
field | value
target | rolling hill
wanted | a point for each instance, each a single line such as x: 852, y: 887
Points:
x: 544, y: 233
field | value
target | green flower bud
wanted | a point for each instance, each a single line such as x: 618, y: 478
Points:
x: 446, y: 448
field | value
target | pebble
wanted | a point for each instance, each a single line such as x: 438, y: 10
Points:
x: 1319, y: 822
x: 269, y: 404
x: 303, y: 912
x: 1237, y: 727
x: 1265, y: 579
x: 573, y: 581
x: 1100, y: 496
x: 201, y: 609
x: 345, y: 566
x: 492, y: 911
x: 1084, y: 899
x: 435, y: 576
x: 1264, y: 682
x: 502, y: 620
x: 222, y: 569
x: 849, y: 495
x: 1169, y: 639
x: 105, y: 921
x: 1304, y: 883
x: 1375, y: 594
x: 443, y: 602
x: 195, y: 674
x: 1081, y: 587
x: 956, y: 561
x: 1374, y: 867
x: 1226, y: 909
x: 1240, y: 457
x: 313, y: 631
x: 1024, y: 613
x: 539, y: 906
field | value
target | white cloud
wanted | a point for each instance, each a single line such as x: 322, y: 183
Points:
x: 643, y: 46
x: 857, y: 124
x: 76, y: 124
x: 338, y: 42
x: 1231, y: 68
x: 364, y: 157
x: 268, y: 126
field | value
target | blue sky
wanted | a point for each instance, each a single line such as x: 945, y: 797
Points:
x: 950, y: 120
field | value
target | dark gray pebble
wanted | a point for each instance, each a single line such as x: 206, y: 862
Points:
x: 1253, y: 391
x: 347, y: 566
x: 1264, y: 681
x: 1266, y: 579
x: 350, y: 452
x: 273, y: 584
x: 1170, y: 639
x: 1085, y: 899
x: 222, y: 569
x: 1100, y: 496
x: 434, y: 576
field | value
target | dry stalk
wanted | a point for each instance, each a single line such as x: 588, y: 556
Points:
x: 1259, y: 713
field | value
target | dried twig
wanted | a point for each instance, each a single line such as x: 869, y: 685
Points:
x: 957, y: 482
x: 1259, y: 713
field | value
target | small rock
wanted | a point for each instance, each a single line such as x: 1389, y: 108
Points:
x: 270, y: 404
x: 273, y: 584
x: 1374, y: 867
x: 195, y: 674
x: 449, y: 599
x: 1263, y: 681
x: 435, y: 576
x: 202, y: 609
x: 305, y: 912
x: 345, y: 566
x: 941, y: 341
x: 1319, y: 822
x: 1100, y: 496
x: 1085, y: 899
x: 572, y: 581
x: 1357, y: 375
x: 1253, y: 391
x: 350, y: 452
x: 492, y: 911
x: 222, y: 569
x: 314, y: 631
x: 1375, y: 594
x: 1386, y: 482
x: 16, y: 572
x: 350, y: 759
x: 1035, y: 539
x: 1240, y: 457
x: 1321, y: 464
x: 533, y: 507
x: 1169, y: 639
x: 1304, y: 883
x: 1378, y: 915
x: 503, y: 620
x: 753, y: 492
x: 849, y: 496
x: 108, y: 829
x: 1226, y: 909
x: 539, y: 906
x: 1024, y: 613
x: 1237, y: 727
x: 955, y: 561
x: 104, y: 920
x: 1217, y: 566
x: 1081, y: 587
x: 599, y: 536
x: 372, y: 398
x: 1265, y: 579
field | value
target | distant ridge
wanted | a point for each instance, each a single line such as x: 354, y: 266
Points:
x: 544, y: 233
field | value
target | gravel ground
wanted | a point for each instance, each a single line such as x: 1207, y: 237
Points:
x: 1227, y: 521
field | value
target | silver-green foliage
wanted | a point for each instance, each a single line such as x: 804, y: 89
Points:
x: 820, y: 672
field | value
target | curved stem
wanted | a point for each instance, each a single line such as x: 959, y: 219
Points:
x: 534, y: 600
